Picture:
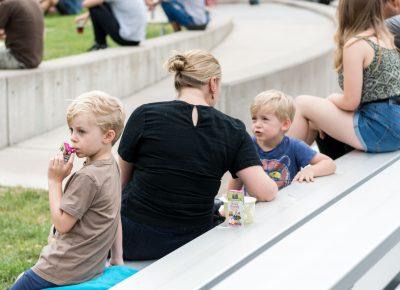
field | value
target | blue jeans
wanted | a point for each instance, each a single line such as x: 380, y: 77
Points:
x: 377, y: 125
x: 68, y: 7
x: 176, y: 12
x: 31, y: 281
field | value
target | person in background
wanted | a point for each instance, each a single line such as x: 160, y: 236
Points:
x: 64, y: 7
x: 391, y: 11
x: 331, y: 146
x: 21, y: 26
x: 191, y: 14
x: 173, y: 156
x: 125, y: 21
x: 365, y: 115
x: 284, y: 159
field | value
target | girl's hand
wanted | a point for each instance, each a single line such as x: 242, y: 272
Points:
x: 58, y: 170
x: 307, y: 175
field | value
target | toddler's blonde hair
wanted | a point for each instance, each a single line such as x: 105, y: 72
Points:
x: 106, y: 111
x: 275, y: 102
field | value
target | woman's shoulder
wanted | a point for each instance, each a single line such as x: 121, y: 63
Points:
x: 230, y: 121
x: 369, y: 38
x: 359, y: 39
x: 155, y: 106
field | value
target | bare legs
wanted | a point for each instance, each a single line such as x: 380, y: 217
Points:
x: 313, y: 114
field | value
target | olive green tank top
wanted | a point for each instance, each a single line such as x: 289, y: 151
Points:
x: 381, y: 79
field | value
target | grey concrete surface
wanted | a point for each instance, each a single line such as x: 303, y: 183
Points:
x: 39, y: 95
x: 261, y: 52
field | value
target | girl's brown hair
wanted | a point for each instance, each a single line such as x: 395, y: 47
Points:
x: 354, y: 17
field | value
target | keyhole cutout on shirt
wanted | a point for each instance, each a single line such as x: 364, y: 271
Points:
x: 195, y: 116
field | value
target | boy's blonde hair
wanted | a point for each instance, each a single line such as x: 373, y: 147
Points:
x: 275, y: 102
x: 106, y: 111
x: 193, y: 68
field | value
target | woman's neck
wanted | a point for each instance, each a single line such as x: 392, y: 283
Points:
x: 192, y: 96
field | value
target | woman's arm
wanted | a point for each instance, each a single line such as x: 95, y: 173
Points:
x: 126, y: 169
x: 258, y: 183
x: 320, y: 165
x: 235, y: 183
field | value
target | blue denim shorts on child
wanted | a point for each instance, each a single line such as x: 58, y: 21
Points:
x: 377, y: 125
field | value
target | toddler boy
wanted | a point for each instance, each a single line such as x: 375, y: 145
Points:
x: 283, y: 158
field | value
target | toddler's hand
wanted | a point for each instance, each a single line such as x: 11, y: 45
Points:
x: 307, y: 175
x: 58, y: 170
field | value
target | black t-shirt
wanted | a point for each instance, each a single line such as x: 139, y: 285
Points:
x: 178, y: 166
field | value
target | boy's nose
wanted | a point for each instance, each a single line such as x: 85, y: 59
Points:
x: 73, y: 139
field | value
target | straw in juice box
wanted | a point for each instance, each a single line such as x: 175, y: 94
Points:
x: 235, y: 208
x: 67, y: 150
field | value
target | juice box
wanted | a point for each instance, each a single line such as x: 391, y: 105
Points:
x: 235, y: 212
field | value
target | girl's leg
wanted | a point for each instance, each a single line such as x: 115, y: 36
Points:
x: 30, y: 281
x: 313, y: 113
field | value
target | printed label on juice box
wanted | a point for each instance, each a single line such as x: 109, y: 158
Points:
x: 235, y: 207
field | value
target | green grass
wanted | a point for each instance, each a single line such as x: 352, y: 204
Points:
x: 24, y: 227
x: 61, y: 38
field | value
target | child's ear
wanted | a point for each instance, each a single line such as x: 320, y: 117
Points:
x: 109, y: 136
x: 286, y: 125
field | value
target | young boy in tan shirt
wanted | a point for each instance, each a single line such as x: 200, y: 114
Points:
x: 86, y: 215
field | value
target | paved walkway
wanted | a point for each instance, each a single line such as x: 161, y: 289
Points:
x: 261, y: 34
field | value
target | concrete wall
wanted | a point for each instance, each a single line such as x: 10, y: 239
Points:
x: 310, y: 72
x: 34, y: 101
x: 310, y: 76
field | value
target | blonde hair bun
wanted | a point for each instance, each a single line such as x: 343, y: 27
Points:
x: 193, y: 68
x: 177, y: 63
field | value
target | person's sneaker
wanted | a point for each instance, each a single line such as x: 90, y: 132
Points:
x: 97, y: 46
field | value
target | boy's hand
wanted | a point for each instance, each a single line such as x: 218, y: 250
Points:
x: 58, y: 170
x: 116, y: 261
x: 307, y: 175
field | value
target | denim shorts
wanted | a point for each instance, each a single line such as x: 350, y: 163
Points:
x: 377, y: 125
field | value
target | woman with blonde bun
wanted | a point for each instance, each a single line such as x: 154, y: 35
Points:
x: 172, y: 157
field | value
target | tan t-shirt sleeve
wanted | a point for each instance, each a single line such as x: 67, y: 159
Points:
x: 78, y: 195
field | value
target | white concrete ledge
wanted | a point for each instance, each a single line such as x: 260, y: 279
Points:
x: 220, y: 252
x: 34, y: 101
